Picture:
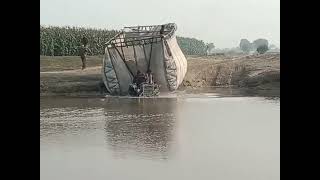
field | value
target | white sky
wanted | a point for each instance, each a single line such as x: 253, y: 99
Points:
x: 223, y: 22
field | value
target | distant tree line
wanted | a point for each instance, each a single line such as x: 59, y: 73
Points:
x: 65, y: 41
x: 259, y: 45
x: 192, y: 46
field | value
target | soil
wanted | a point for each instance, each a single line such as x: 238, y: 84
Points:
x: 63, y: 75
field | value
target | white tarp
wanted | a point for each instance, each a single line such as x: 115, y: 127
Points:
x: 167, y: 63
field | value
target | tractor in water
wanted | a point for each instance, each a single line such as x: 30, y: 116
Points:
x: 141, y: 59
x: 143, y: 85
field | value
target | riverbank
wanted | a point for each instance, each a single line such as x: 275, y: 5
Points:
x: 255, y: 73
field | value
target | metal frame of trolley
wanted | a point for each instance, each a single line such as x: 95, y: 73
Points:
x: 140, y: 36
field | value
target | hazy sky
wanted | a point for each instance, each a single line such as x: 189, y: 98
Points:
x: 223, y: 22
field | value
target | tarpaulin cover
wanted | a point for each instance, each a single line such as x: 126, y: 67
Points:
x: 142, y: 48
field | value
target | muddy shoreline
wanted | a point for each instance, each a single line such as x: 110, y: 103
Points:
x: 254, y: 75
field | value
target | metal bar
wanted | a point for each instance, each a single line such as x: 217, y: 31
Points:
x: 144, y: 27
x: 148, y: 37
x: 113, y: 70
x: 113, y: 38
x: 125, y: 42
x: 137, y: 42
x: 141, y: 26
x: 132, y: 44
x: 135, y: 56
x: 119, y: 53
x: 144, y: 51
x: 149, y: 63
x: 144, y: 31
x: 124, y: 58
x: 125, y: 62
x: 117, y: 36
x: 139, y: 39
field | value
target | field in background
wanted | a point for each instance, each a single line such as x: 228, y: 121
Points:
x: 65, y: 41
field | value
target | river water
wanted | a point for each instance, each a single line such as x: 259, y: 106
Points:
x: 193, y: 136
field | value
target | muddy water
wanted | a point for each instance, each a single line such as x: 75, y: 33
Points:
x: 188, y: 137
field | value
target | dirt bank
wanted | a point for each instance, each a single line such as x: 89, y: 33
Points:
x: 63, y: 76
x: 255, y: 71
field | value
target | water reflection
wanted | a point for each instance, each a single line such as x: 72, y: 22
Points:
x: 69, y: 120
x: 125, y: 138
x: 142, y: 127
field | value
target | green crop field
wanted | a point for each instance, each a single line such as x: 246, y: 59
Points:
x: 65, y: 41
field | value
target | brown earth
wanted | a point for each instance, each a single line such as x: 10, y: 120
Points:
x: 63, y: 75
x: 255, y: 71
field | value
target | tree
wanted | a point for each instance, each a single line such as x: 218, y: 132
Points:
x: 210, y: 47
x: 262, y: 49
x: 259, y: 42
x: 245, y: 45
